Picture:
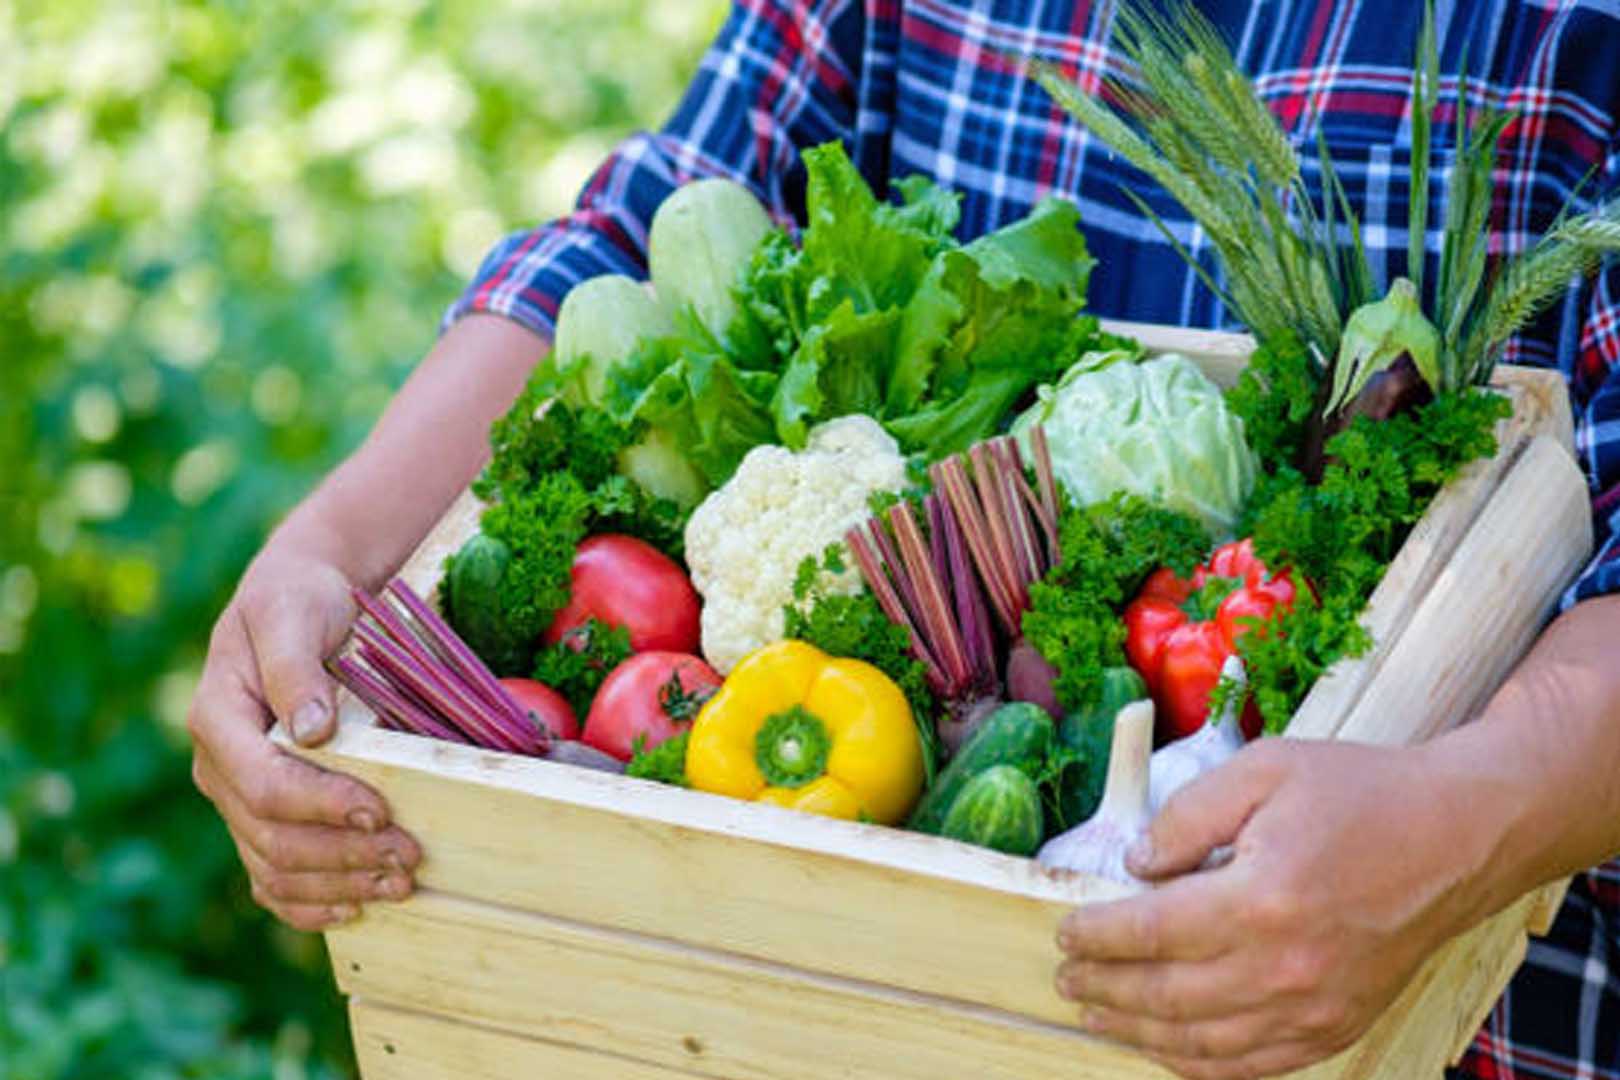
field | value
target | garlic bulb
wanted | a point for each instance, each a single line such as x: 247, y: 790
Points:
x: 1097, y: 845
x: 1185, y: 760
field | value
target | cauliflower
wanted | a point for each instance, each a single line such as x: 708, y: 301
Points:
x: 745, y: 542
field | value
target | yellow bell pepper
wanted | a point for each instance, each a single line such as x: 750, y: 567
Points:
x: 798, y: 728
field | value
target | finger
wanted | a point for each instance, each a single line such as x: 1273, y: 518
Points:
x: 1276, y: 1060
x: 1181, y: 920
x: 227, y: 725
x: 309, y: 848
x: 1203, y: 990
x: 325, y: 887
x: 1204, y: 815
x: 1218, y: 1039
x: 311, y: 918
x: 292, y: 632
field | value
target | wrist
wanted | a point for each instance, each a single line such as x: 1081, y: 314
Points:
x: 1492, y: 798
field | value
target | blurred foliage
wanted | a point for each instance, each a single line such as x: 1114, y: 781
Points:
x: 226, y: 232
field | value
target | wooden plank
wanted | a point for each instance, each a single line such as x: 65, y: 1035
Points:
x: 683, y: 1008
x: 1222, y: 356
x: 721, y: 1017
x: 1486, y: 607
x: 838, y: 897
x: 1549, y: 898
x: 679, y: 1007
x: 396, y: 1044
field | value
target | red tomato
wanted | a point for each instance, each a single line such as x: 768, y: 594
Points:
x: 626, y: 582
x: 545, y: 706
x: 652, y: 694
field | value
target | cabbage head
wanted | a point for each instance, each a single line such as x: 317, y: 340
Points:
x: 1159, y: 429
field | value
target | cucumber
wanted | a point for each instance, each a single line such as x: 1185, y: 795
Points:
x: 471, y: 594
x: 1019, y: 734
x: 1089, y: 732
x: 999, y: 808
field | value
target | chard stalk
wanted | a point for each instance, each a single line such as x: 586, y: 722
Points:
x: 366, y: 685
x: 445, y: 642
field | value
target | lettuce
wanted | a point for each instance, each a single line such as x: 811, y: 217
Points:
x: 882, y: 311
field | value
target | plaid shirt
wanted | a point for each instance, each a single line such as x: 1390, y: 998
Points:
x: 921, y: 86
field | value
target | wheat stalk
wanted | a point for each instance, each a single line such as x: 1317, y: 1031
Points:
x: 1196, y: 125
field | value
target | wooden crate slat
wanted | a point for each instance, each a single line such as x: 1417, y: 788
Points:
x: 864, y: 902
x: 1544, y: 910
x: 668, y: 1005
x: 672, y: 1005
x: 1221, y: 355
x: 397, y: 1044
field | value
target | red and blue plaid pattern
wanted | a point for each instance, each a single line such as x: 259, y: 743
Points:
x: 925, y: 86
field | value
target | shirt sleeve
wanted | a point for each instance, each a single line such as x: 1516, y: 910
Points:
x: 781, y: 76
x: 1595, y: 389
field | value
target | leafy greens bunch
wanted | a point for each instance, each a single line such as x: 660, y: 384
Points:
x: 879, y: 311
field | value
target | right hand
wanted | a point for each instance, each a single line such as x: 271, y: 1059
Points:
x: 316, y: 844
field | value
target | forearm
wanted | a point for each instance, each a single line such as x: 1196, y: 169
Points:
x: 1535, y: 781
x: 372, y: 510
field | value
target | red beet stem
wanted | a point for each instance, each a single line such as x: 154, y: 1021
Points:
x: 934, y: 611
x: 371, y: 688
x: 455, y: 705
x: 877, y: 579
x: 454, y: 651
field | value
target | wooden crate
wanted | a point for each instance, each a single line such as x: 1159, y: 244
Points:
x: 576, y: 924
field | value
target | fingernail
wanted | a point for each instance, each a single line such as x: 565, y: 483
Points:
x: 1139, y: 856
x: 1089, y: 1021
x: 395, y: 887
x: 392, y: 860
x: 342, y: 913
x: 1068, y: 938
x: 1067, y: 987
x: 309, y: 722
x: 364, y: 820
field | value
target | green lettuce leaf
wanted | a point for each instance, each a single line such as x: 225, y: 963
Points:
x: 698, y: 400
x: 1006, y: 300
x: 841, y: 367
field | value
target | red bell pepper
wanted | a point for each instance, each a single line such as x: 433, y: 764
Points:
x: 1179, y: 631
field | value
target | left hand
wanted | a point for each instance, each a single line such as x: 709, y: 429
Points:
x: 1349, y: 869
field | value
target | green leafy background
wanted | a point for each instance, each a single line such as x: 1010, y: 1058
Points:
x: 226, y: 232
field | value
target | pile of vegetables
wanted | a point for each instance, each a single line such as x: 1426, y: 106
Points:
x: 876, y: 524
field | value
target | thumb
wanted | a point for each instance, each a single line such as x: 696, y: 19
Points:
x: 1203, y: 816
x: 292, y: 636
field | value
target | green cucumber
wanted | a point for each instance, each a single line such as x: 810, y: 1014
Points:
x: 1019, y: 734
x: 1089, y: 732
x: 999, y: 808
x: 471, y: 595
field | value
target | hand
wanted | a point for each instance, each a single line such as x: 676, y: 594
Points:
x: 315, y: 844
x: 1348, y: 870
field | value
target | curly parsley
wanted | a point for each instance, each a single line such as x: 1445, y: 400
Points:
x: 1341, y: 533
x: 1106, y: 552
x: 576, y: 666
